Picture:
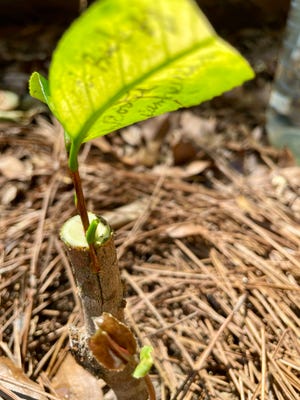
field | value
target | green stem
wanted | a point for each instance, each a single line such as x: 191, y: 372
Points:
x: 72, y: 150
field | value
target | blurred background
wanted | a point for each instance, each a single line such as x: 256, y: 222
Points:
x: 29, y: 30
x: 223, y: 13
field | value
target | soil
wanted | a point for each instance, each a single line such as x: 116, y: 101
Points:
x: 209, y: 252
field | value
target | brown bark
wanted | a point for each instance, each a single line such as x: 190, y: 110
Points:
x: 101, y: 292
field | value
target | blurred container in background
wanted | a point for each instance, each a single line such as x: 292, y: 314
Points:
x: 283, y: 114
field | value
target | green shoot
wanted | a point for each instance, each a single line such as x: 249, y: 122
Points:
x: 90, y: 234
x: 145, y: 364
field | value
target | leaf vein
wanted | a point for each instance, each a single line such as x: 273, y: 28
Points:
x: 94, y: 117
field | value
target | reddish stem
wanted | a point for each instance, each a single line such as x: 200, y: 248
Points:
x: 80, y: 200
x: 118, y: 350
x: 150, y: 388
x: 81, y: 207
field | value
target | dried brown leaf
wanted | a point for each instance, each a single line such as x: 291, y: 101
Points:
x: 12, y: 168
x: 8, y: 100
x: 184, y: 230
x: 14, y: 379
x: 73, y: 382
x: 192, y: 169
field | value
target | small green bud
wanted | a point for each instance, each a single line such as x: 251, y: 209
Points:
x: 145, y: 364
x: 91, y: 231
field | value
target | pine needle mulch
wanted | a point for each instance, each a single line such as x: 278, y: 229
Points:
x: 210, y: 263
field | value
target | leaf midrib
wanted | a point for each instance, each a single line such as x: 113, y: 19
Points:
x: 94, y: 117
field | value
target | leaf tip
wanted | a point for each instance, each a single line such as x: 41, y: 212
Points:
x: 38, y: 87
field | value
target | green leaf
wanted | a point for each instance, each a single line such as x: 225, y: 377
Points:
x: 119, y: 64
x: 145, y: 364
x: 39, y: 88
